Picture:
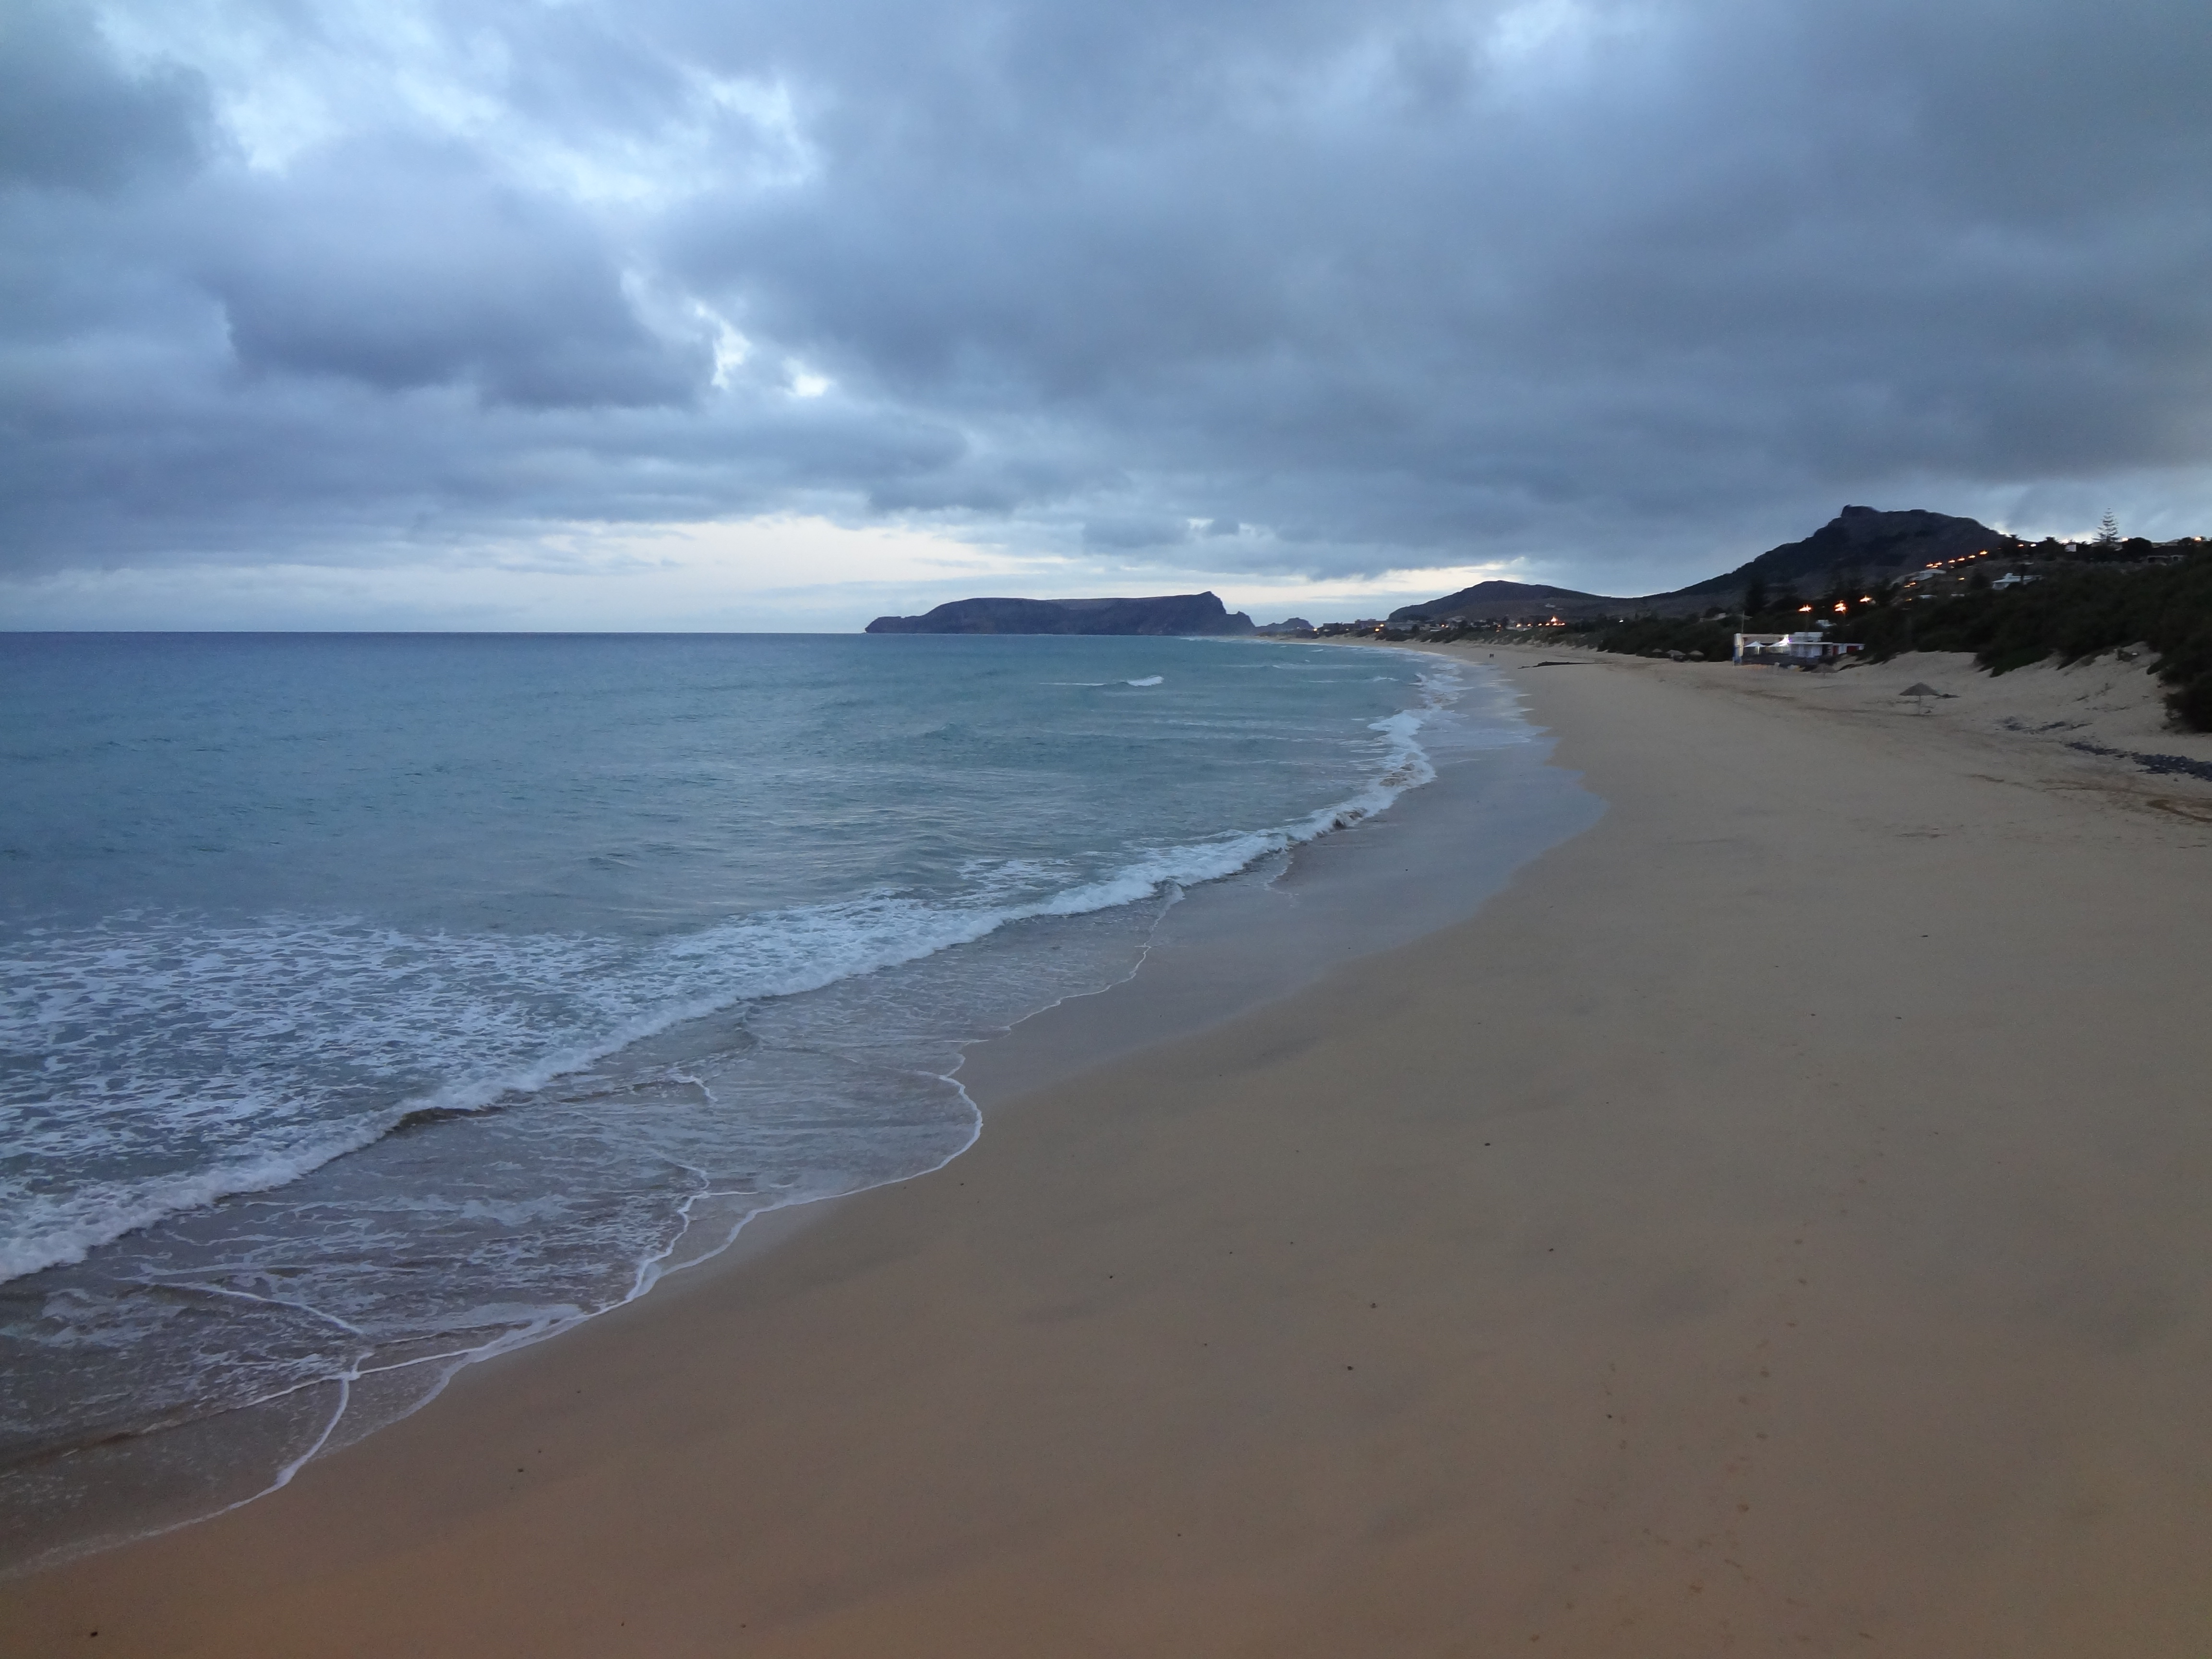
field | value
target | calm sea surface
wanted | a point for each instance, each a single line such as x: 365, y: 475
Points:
x: 370, y: 1003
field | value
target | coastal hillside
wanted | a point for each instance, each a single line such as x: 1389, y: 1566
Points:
x: 1499, y: 601
x: 1860, y: 540
x: 1169, y: 614
x: 1867, y: 545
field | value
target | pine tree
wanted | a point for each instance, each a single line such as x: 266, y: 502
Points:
x: 2108, y: 532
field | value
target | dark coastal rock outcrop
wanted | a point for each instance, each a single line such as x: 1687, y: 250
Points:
x: 1172, y: 613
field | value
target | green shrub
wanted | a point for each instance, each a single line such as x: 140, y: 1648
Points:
x: 2070, y: 613
x: 1715, y: 641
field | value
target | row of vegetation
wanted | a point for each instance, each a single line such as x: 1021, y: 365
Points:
x: 2070, y: 615
x: 1712, y: 639
x: 2069, y: 612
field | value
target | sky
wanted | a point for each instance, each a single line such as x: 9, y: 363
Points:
x: 763, y: 314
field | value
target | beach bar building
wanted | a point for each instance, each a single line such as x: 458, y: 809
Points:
x: 1759, y: 647
x: 1797, y: 650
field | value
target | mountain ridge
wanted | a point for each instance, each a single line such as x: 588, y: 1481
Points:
x: 1867, y: 542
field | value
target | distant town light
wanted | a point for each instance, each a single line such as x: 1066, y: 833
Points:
x: 1804, y: 607
x: 1840, y: 605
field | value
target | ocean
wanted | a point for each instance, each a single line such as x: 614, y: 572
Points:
x: 373, y: 1004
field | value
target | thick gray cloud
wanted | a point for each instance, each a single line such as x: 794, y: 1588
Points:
x: 513, y: 293
x: 1624, y: 290
x: 69, y: 121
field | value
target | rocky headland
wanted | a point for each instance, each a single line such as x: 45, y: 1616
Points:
x: 1170, y: 613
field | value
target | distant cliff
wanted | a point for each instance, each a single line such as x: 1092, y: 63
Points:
x: 1172, y: 613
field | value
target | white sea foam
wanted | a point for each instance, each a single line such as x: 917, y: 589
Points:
x: 167, y: 1054
x: 624, y: 1102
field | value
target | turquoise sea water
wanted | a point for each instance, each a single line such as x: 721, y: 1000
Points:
x: 371, y: 1003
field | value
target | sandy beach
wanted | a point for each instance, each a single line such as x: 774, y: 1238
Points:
x: 1775, y: 1223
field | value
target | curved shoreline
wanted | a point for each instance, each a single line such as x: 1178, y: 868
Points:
x: 1764, y: 1221
x: 329, y: 1416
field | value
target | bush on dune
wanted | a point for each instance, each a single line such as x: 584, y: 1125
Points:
x: 1647, y: 636
x: 2069, y: 615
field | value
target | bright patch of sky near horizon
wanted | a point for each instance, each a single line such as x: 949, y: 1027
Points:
x: 508, y: 314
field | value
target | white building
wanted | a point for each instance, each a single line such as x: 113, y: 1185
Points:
x: 1797, y: 649
x: 1759, y: 647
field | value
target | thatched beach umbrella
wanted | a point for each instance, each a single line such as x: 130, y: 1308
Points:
x: 1920, y: 691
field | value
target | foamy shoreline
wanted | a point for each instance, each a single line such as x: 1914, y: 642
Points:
x: 1767, y: 1221
x: 1244, y: 931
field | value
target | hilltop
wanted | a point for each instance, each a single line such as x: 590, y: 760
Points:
x: 1859, y: 542
x: 1499, y: 601
x: 1862, y: 543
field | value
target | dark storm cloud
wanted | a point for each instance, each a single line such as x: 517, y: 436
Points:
x: 69, y: 120
x: 401, y: 265
x: 1628, y: 290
